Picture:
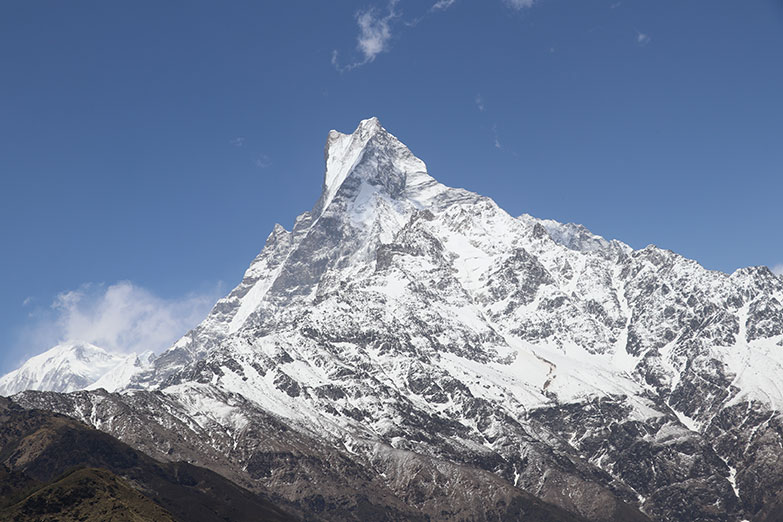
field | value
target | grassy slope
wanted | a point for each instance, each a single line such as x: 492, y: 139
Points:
x: 87, y: 495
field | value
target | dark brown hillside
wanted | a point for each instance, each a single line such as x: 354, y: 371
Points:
x: 39, y: 452
x: 87, y: 495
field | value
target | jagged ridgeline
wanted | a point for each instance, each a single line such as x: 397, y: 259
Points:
x: 410, y: 351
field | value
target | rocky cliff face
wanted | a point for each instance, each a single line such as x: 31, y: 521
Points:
x: 424, y: 353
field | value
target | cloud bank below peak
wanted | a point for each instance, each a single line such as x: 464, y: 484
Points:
x: 122, y: 318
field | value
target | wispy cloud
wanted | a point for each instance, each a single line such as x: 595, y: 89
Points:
x: 239, y: 141
x: 27, y: 301
x: 442, y: 5
x: 263, y: 161
x: 480, y: 102
x: 122, y: 317
x: 336, y: 60
x: 778, y: 269
x: 497, y: 138
x: 642, y: 39
x: 375, y: 34
x: 376, y: 26
x: 519, y: 4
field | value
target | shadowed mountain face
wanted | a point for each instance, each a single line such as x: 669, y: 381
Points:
x: 55, y: 468
x: 411, y: 350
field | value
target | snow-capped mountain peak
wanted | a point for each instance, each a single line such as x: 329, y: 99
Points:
x: 373, y: 156
x: 73, y: 365
x: 402, y: 319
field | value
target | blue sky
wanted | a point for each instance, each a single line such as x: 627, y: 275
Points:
x: 147, y: 148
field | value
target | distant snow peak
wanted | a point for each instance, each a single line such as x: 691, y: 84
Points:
x: 74, y: 365
x: 575, y: 237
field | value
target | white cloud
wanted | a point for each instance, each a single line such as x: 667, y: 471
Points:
x: 122, y: 317
x: 374, y: 32
x: 520, y: 4
x: 497, y: 139
x: 239, y: 141
x: 27, y: 301
x: 374, y: 35
x: 375, y: 29
x: 642, y: 39
x: 442, y: 5
x: 778, y: 269
x: 480, y: 102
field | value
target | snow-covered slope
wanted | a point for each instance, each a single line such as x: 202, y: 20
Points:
x: 401, y: 321
x: 73, y: 366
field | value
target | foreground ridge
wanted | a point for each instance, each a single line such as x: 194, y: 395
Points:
x: 412, y: 350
